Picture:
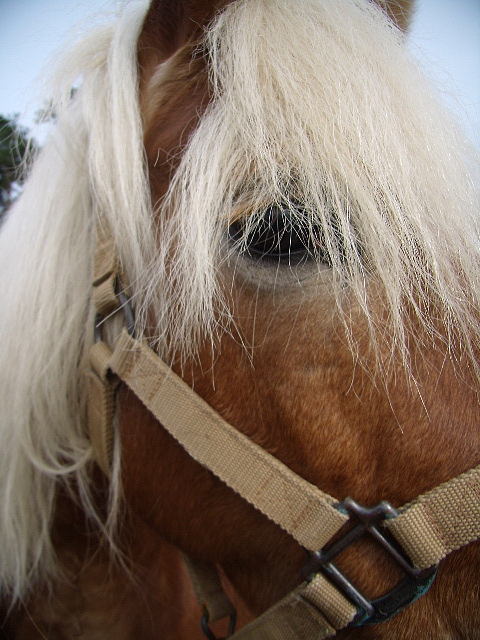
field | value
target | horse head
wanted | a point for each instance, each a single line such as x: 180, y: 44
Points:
x: 293, y: 224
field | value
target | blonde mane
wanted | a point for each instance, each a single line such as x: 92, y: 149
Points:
x: 314, y: 102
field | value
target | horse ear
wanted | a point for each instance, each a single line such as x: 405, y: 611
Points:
x: 170, y: 24
x: 401, y: 11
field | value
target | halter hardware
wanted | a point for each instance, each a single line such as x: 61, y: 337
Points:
x: 124, y: 306
x: 209, y: 633
x: 367, y: 521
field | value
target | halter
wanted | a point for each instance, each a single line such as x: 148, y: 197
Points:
x: 417, y: 536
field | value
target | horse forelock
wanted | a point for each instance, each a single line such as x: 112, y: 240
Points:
x: 320, y: 103
x: 310, y: 101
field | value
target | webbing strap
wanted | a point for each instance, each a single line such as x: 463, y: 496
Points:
x: 294, y: 504
x: 101, y: 383
x: 440, y: 521
x: 101, y: 404
x: 313, y: 611
x: 106, y: 269
x: 299, y: 615
x: 208, y: 589
x: 317, y: 608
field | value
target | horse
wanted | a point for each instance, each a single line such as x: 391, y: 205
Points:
x: 289, y: 219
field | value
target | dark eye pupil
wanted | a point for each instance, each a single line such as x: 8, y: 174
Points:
x: 277, y: 235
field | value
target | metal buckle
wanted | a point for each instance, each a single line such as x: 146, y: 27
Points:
x: 209, y: 633
x: 367, y: 521
x: 123, y: 305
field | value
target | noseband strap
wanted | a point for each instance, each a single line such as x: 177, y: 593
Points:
x: 428, y: 529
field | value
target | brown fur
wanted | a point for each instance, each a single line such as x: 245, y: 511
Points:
x: 354, y: 433
x: 368, y: 445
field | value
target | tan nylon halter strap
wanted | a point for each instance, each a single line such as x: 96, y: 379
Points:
x: 208, y: 589
x: 440, y: 521
x: 428, y: 529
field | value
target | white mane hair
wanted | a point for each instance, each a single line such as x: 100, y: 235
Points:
x: 315, y: 102
x: 94, y: 162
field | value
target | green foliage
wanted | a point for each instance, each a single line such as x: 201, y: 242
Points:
x: 14, y: 149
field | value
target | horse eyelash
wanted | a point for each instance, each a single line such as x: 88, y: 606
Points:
x: 279, y: 234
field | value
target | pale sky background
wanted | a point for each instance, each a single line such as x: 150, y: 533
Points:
x: 446, y: 33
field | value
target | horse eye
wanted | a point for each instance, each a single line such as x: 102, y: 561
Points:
x: 279, y: 235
